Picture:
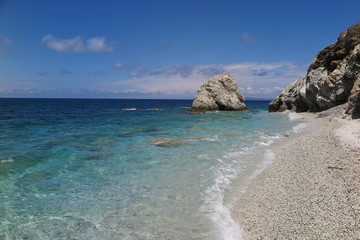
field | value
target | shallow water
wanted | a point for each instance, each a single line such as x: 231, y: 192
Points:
x: 94, y: 169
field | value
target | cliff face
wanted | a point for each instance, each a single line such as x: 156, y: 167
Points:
x: 219, y: 93
x: 333, y: 78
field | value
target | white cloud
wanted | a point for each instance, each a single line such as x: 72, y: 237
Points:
x: 262, y: 80
x: 77, y: 44
x: 98, y: 44
x: 180, y: 79
x: 64, y: 45
x: 119, y: 65
x: 249, y: 89
x: 135, y: 71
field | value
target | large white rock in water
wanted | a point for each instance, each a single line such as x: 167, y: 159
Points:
x: 219, y: 93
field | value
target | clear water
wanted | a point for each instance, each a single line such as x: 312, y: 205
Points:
x: 112, y: 169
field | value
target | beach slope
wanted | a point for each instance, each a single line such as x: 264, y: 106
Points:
x: 311, y: 190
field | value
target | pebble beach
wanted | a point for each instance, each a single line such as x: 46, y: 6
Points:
x: 312, y: 188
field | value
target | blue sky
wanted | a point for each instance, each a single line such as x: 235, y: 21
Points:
x: 161, y: 49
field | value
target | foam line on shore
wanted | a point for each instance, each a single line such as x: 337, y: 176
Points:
x: 311, y: 189
x: 215, y: 206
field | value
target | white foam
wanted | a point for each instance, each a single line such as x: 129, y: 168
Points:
x: 298, y: 127
x: 268, y: 140
x: 230, y: 230
x: 294, y: 116
x: 212, y: 139
x: 215, y: 209
x: 7, y: 160
x: 228, y: 169
x: 128, y: 109
x: 268, y: 159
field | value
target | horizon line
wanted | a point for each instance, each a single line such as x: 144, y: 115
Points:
x: 89, y: 98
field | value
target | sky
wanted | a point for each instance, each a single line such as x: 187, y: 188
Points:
x: 161, y: 49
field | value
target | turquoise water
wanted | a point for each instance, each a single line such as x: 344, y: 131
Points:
x: 113, y: 169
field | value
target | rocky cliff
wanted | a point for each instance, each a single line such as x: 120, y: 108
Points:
x: 219, y: 93
x: 333, y: 78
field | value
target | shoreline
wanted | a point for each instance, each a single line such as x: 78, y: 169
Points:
x: 312, y: 188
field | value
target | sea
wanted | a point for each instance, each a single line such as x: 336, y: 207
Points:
x: 129, y: 169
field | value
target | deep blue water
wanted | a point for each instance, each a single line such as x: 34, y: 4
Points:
x: 93, y: 169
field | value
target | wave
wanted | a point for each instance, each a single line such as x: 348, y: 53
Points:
x: 267, y: 160
x: 213, y: 206
x: 298, y: 127
x: 229, y: 168
x: 246, y: 164
x: 7, y: 160
x: 294, y: 116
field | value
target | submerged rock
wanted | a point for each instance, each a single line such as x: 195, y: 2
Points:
x: 332, y: 79
x: 219, y: 93
x: 167, y: 142
x: 173, y: 142
x: 177, y: 142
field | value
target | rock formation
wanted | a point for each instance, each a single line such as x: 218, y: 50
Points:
x: 219, y: 93
x: 333, y: 78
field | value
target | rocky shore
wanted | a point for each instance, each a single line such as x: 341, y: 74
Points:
x: 312, y: 189
x: 333, y: 78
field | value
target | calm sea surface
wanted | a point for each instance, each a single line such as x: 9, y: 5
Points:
x: 114, y: 169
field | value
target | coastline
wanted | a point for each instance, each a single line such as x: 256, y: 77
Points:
x: 312, y: 188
